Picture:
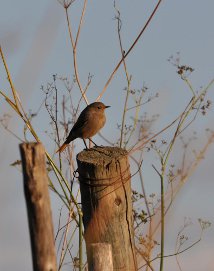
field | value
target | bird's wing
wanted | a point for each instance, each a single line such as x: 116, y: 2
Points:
x: 81, y: 121
x: 76, y: 129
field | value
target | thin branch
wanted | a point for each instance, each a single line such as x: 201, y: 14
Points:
x: 129, y: 50
x: 80, y: 23
x: 140, y: 104
x: 134, y: 148
x: 128, y: 78
x: 174, y: 254
x: 9, y: 78
x: 74, y: 49
x: 142, y: 184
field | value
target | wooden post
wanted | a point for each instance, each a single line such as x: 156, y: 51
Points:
x: 101, y: 257
x: 104, y: 175
x: 38, y: 207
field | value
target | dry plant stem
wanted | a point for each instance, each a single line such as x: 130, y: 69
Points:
x: 189, y: 85
x: 26, y: 120
x: 183, y: 117
x: 128, y: 78
x: 29, y: 126
x: 67, y: 247
x: 162, y: 175
x: 178, y: 245
x: 22, y: 115
x: 64, y: 246
x: 145, y: 259
x: 134, y: 148
x: 59, y: 228
x: 74, y: 44
x: 124, y: 113
x: 11, y: 132
x: 174, y: 254
x: 129, y: 50
x: 58, y: 172
x: 54, y: 118
x: 138, y: 105
x: 16, y: 106
x: 194, y: 165
x: 177, y: 261
x: 195, y: 101
x: 148, y: 211
x: 142, y: 184
x: 80, y: 23
x: 164, y: 162
x: 135, y: 121
x: 137, y: 148
x: 17, y: 103
x: 56, y: 122
x: 63, y: 250
x: 183, y: 180
x: 60, y: 178
x: 59, y: 221
x: 147, y: 207
x: 86, y: 88
x: 9, y: 77
x: 59, y: 195
x: 182, y: 120
x: 70, y: 149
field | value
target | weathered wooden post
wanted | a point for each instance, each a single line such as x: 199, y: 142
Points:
x: 104, y: 175
x: 38, y: 207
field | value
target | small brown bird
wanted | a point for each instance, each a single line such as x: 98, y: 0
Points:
x: 90, y: 121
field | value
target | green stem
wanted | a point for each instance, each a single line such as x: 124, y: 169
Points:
x: 80, y: 243
x: 189, y: 85
x: 162, y: 220
x: 60, y: 178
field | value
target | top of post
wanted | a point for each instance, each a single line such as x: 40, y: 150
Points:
x: 101, y: 155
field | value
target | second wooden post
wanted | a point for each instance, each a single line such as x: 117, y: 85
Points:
x: 38, y: 207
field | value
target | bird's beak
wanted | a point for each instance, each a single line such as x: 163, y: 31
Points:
x: 107, y: 106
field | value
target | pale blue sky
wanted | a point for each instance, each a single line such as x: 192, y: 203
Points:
x: 34, y: 38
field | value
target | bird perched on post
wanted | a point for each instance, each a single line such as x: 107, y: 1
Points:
x: 90, y: 121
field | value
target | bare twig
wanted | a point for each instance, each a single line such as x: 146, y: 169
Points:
x: 74, y: 43
x: 129, y: 50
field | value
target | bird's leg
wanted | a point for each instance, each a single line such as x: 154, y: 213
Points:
x: 85, y: 144
x: 93, y: 142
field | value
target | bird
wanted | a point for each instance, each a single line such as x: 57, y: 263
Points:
x: 90, y: 121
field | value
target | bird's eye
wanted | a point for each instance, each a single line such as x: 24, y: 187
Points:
x: 99, y: 107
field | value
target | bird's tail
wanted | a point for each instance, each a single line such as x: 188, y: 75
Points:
x: 64, y: 145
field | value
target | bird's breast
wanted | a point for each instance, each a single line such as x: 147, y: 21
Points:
x: 94, y: 124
